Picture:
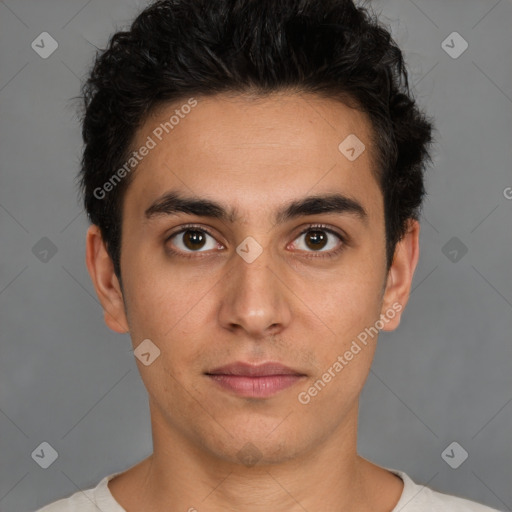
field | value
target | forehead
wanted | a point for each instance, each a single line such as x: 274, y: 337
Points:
x: 254, y: 152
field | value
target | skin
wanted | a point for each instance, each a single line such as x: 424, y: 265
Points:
x: 215, y: 308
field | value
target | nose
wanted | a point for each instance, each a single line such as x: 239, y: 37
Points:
x: 255, y: 298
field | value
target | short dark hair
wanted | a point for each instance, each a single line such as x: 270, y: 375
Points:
x: 176, y: 49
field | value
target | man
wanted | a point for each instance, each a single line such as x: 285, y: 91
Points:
x: 253, y: 173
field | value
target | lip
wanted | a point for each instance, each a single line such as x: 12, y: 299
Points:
x: 254, y: 370
x: 255, y: 381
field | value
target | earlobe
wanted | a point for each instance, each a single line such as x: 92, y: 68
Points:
x: 400, y: 277
x: 106, y: 284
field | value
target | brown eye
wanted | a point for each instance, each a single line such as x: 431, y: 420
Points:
x: 317, y: 238
x: 192, y: 240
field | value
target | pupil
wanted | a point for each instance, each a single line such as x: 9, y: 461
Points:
x: 192, y: 238
x: 195, y: 239
x: 317, y: 237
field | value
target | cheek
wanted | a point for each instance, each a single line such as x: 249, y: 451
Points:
x: 345, y: 354
x: 352, y: 300
x: 350, y: 310
x: 174, y: 310
x: 161, y: 296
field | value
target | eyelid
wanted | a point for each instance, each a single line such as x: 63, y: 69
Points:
x: 309, y: 227
x: 322, y: 255
x: 186, y: 227
x: 324, y: 227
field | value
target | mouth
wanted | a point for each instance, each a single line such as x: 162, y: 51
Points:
x: 255, y: 381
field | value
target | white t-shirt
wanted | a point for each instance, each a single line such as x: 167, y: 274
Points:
x: 414, y: 498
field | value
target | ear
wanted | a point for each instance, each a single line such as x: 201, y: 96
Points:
x: 400, y: 276
x: 108, y: 289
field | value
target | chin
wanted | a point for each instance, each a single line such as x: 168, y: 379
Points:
x: 257, y: 447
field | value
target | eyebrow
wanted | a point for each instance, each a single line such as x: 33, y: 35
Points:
x: 173, y: 202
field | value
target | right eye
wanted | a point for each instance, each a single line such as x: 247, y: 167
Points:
x: 191, y: 239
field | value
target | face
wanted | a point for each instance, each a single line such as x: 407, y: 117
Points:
x: 276, y: 279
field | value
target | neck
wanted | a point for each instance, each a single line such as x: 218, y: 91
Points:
x: 329, y: 476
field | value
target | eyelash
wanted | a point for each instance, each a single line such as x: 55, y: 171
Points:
x: 311, y: 227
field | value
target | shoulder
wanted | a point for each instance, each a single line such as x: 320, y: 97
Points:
x: 453, y: 503
x: 419, y: 498
x: 88, y: 500
x: 81, y: 501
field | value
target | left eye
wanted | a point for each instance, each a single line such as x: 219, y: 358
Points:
x: 317, y: 238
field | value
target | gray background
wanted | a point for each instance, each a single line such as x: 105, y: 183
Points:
x: 443, y: 376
